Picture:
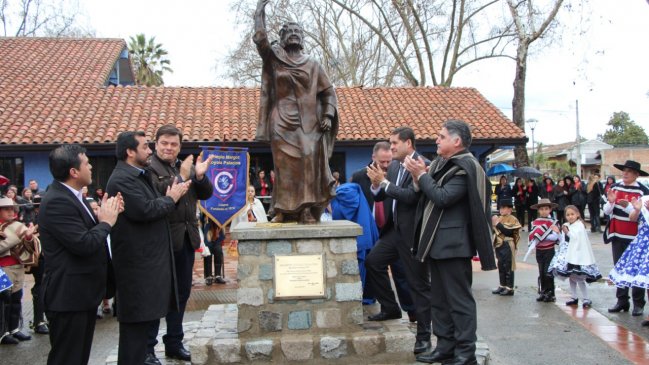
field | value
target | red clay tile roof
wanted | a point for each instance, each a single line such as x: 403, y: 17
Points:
x: 52, y: 91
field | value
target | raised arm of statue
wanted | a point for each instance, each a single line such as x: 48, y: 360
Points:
x: 260, y: 22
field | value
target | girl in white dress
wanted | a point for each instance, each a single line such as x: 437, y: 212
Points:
x: 575, y: 260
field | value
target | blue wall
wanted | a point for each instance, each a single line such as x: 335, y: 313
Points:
x: 37, y: 167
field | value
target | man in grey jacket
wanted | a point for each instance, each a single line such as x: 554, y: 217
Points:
x: 453, y: 220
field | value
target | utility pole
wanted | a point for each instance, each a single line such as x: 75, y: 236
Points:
x: 578, y: 158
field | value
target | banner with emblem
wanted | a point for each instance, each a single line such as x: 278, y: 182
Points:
x: 228, y: 173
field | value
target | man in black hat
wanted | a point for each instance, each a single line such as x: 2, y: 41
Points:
x: 621, y: 231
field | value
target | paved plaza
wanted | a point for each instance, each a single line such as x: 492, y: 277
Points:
x: 517, y: 329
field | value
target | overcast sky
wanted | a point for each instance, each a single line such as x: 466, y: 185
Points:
x: 605, y: 68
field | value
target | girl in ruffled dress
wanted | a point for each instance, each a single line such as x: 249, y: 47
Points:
x: 575, y: 260
x: 632, y: 269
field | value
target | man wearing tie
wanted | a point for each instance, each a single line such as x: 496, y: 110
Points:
x: 75, y: 243
x: 400, y: 201
x: 382, y: 156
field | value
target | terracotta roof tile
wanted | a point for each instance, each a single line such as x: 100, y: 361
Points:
x: 52, y: 91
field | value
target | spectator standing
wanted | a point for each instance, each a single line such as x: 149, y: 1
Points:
x: 621, y: 230
x: 165, y: 169
x: 546, y: 190
x: 262, y: 185
x: 519, y: 200
x: 561, y: 198
x: 27, y: 213
x: 33, y: 186
x: 578, y: 195
x: 531, y: 198
x: 594, y: 193
x: 503, y: 191
x: 213, y: 263
x: 13, y: 234
x: 141, y: 248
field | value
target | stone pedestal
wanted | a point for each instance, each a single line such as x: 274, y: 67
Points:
x: 262, y: 314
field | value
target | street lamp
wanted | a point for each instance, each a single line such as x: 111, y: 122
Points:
x: 532, y: 123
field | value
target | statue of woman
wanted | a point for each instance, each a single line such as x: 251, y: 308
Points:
x: 298, y: 116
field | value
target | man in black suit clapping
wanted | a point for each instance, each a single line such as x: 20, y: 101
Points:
x: 399, y: 198
x: 74, y: 241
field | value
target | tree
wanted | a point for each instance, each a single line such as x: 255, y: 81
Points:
x: 383, y: 42
x: 531, y: 23
x: 42, y: 18
x: 623, y: 131
x: 149, y: 60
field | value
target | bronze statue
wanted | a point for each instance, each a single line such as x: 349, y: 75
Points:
x: 298, y: 116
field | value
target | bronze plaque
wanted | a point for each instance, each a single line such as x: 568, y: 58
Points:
x: 299, y: 276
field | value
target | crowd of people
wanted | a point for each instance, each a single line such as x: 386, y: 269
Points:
x: 558, y: 220
x: 570, y: 190
x: 423, y: 222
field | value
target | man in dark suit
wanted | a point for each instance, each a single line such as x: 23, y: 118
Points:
x: 382, y: 156
x: 75, y: 243
x: 141, y: 248
x: 165, y: 168
x: 400, y: 201
x: 453, y: 220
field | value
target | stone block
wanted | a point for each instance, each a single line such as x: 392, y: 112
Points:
x: 299, y: 320
x: 270, y: 295
x: 259, y: 350
x: 350, y: 267
x: 332, y: 271
x: 349, y: 292
x: 333, y: 347
x: 297, y: 348
x: 249, y: 248
x: 243, y: 270
x: 200, y: 350
x: 355, y: 316
x: 278, y: 248
x: 243, y: 325
x: 399, y: 341
x: 309, y: 246
x: 342, y: 245
x: 328, y: 318
x: 366, y: 344
x: 266, y: 272
x: 250, y: 296
x: 227, y: 351
x: 270, y: 321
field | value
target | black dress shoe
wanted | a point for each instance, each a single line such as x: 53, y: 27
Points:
x: 179, y: 353
x: 498, y: 290
x: 151, y: 359
x: 42, y: 329
x: 619, y: 307
x: 422, y: 346
x: 637, y: 311
x: 507, y: 292
x: 9, y: 340
x: 219, y: 280
x: 433, y: 357
x: 549, y: 299
x: 645, y: 323
x: 460, y: 360
x: 540, y: 298
x: 382, y: 316
x: 21, y: 336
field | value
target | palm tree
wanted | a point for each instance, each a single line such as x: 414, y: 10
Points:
x: 149, y: 60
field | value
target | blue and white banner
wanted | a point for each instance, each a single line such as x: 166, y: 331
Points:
x: 228, y: 172
x: 5, y: 282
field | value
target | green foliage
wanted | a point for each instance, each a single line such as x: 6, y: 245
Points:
x: 623, y: 131
x: 149, y: 60
x: 559, y: 169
